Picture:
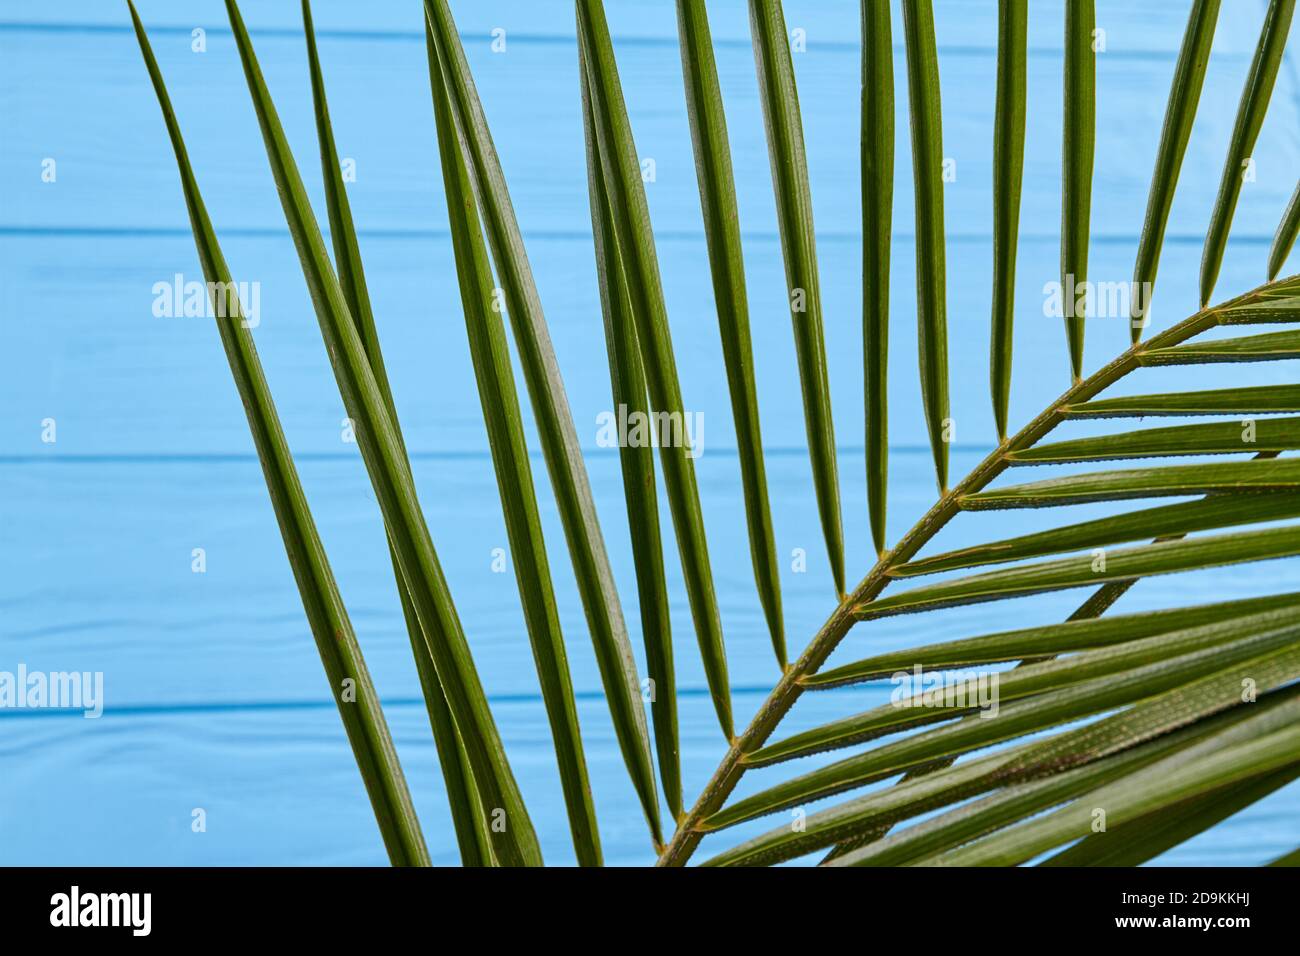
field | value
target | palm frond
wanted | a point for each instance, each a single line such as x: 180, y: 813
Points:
x: 550, y: 406
x: 1080, y: 115
x: 920, y: 754
x: 1255, y: 96
x: 722, y: 233
x: 1184, y: 95
x: 785, y: 146
x: 345, y: 667
x: 927, y: 172
x: 490, y: 355
x: 1140, y: 717
x: 1284, y: 238
x: 877, y: 229
x: 628, y: 387
x: 622, y: 176
x: 467, y: 814
x: 516, y: 843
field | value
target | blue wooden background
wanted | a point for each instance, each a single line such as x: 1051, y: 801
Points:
x: 215, y: 697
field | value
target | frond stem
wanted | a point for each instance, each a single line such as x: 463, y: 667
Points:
x: 788, y: 688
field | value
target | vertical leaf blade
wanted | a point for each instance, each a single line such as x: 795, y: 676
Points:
x: 554, y: 421
x: 458, y: 777
x: 516, y: 844
x: 1255, y: 97
x: 1008, y: 173
x: 785, y: 149
x: 722, y: 232
x: 496, y: 387
x: 877, y: 226
x: 1284, y: 238
x: 636, y: 242
x: 1077, y: 153
x: 363, y: 718
x: 628, y: 390
x: 927, y: 170
x: 1184, y: 95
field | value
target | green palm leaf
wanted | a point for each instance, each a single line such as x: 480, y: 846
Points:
x: 1250, y: 117
x: 961, y: 825
x: 626, y: 193
x: 382, y: 453
x: 1282, y: 307
x: 628, y: 385
x: 1184, y: 95
x: 458, y: 777
x: 1236, y: 476
x: 722, y: 231
x: 1077, y: 156
x: 360, y: 710
x: 1218, y: 511
x: 1005, y: 806
x: 1220, y: 438
x: 1077, y: 634
x: 1167, y: 694
x: 1284, y: 238
x: 1139, y: 715
x: 877, y: 227
x: 491, y: 357
x: 1258, y: 399
x: 1250, y: 348
x: 1146, y: 837
x: 554, y: 421
x: 927, y: 171
x: 785, y: 147
x: 1288, y: 859
x: 940, y: 704
x: 1165, y: 557
x: 1151, y: 790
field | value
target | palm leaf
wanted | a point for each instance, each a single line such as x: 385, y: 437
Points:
x: 1077, y: 634
x: 626, y: 193
x: 927, y: 171
x: 516, y: 843
x: 722, y: 232
x: 628, y: 385
x: 922, y: 752
x: 1208, y: 514
x: 458, y: 777
x: 554, y: 421
x: 1284, y: 238
x: 1166, y: 557
x: 1250, y: 348
x: 1140, y: 715
x: 491, y: 357
x: 1250, y: 117
x: 1220, y: 438
x: 1167, y: 694
x: 1151, y: 790
x: 877, y: 226
x: 1252, y: 400
x: 785, y: 148
x: 1024, y: 681
x: 1237, y: 476
x: 929, y: 839
x: 1184, y: 95
x: 1280, y: 307
x: 1144, y: 838
x: 1077, y: 156
x: 345, y: 667
x: 1288, y: 859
